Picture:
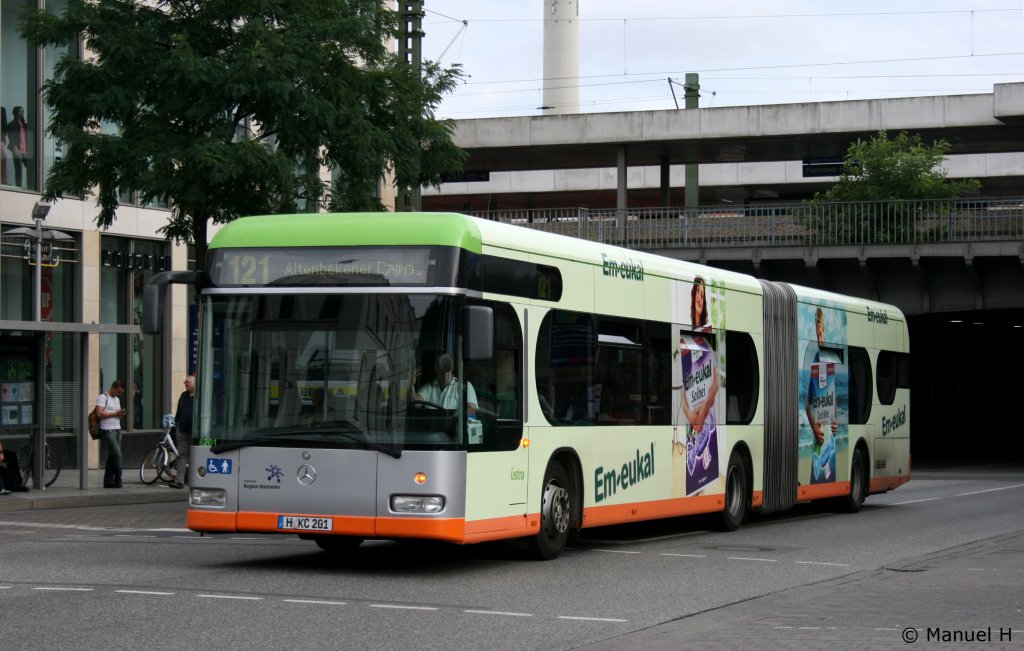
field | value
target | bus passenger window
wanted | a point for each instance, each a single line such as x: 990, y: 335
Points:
x: 860, y: 386
x: 742, y: 373
x: 893, y: 371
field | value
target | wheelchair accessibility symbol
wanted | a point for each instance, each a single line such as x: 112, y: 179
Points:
x: 218, y: 466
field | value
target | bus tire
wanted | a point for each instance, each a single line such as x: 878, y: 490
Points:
x: 337, y: 544
x: 736, y: 493
x: 858, y: 483
x: 555, y: 514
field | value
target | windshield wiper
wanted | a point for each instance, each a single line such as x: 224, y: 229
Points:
x: 305, y: 435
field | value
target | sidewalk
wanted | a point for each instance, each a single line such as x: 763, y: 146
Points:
x: 958, y: 598
x: 65, y: 493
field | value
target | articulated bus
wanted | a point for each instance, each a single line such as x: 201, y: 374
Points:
x: 437, y: 376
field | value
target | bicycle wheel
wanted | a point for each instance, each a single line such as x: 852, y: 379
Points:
x: 25, y: 461
x: 52, y: 466
x: 153, y: 465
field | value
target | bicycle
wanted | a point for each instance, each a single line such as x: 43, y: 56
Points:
x: 51, y: 464
x: 162, y: 461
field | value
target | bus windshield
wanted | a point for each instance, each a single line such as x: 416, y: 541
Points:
x: 334, y: 370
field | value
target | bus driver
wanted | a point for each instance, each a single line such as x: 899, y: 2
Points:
x: 445, y: 390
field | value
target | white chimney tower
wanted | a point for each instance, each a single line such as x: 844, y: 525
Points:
x: 561, y: 57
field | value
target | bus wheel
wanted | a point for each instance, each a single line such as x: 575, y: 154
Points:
x: 736, y: 491
x: 858, y: 483
x: 337, y: 544
x: 555, y: 514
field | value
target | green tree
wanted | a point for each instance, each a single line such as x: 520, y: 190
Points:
x: 225, y: 108
x: 896, y: 174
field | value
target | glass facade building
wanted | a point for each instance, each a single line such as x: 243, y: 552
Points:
x: 88, y: 276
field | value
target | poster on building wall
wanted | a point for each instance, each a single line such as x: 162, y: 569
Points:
x: 18, y: 361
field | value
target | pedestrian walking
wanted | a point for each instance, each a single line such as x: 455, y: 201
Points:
x: 183, y: 429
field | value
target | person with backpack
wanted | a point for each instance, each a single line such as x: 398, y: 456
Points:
x: 108, y: 408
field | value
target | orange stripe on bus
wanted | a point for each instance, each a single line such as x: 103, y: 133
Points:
x: 513, y: 526
x: 345, y: 525
x: 450, y: 529
x: 211, y: 520
x: 757, y: 500
x: 819, y: 491
x: 883, y: 484
x: 599, y: 516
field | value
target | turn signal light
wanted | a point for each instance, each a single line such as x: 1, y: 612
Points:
x: 420, y: 478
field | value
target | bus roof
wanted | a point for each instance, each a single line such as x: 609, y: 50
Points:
x: 471, y: 234
x: 351, y: 229
x: 443, y: 229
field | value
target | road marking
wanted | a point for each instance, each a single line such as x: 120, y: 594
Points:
x: 990, y: 490
x: 395, y: 606
x: 820, y: 563
x: 684, y: 555
x: 744, y: 558
x: 65, y: 589
x: 593, y: 619
x: 929, y: 499
x: 227, y: 596
x: 670, y: 536
x: 53, y: 525
x: 498, y: 612
x: 5, y: 587
x: 316, y: 602
x: 133, y: 535
x: 152, y: 592
x: 614, y: 551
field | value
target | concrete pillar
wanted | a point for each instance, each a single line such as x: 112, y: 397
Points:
x: 561, y: 57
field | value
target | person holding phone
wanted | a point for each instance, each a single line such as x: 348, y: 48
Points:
x: 108, y: 408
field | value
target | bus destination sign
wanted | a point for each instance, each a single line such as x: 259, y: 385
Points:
x: 374, y: 266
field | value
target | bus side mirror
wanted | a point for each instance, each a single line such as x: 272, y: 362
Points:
x: 153, y: 296
x: 478, y: 342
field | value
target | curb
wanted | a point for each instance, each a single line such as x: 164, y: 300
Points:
x: 37, y: 500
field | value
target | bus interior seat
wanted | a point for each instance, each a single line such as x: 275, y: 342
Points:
x: 732, y: 411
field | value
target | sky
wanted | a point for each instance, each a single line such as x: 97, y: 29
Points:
x: 746, y: 52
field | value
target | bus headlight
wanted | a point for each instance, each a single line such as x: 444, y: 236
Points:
x: 417, y: 503
x: 208, y: 497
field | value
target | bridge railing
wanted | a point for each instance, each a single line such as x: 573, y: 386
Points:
x: 784, y: 224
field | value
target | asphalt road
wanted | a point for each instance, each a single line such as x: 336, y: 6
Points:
x: 128, y: 576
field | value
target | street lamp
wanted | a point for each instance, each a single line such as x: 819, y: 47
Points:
x: 39, y: 213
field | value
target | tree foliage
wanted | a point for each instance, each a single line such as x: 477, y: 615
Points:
x: 225, y: 108
x: 900, y: 184
x: 883, y: 168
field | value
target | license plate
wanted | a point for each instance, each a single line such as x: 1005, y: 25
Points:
x: 304, y: 523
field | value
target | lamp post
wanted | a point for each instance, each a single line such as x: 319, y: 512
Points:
x: 39, y: 212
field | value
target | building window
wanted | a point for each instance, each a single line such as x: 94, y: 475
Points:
x: 52, y: 148
x: 127, y: 265
x: 61, y: 372
x: 19, y: 83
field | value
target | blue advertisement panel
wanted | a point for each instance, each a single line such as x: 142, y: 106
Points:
x: 824, y: 392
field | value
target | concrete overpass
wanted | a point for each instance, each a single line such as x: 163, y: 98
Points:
x: 552, y: 158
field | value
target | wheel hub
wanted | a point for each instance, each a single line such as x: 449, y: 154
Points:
x: 556, y: 509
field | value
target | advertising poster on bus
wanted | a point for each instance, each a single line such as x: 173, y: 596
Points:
x: 824, y: 392
x: 698, y: 439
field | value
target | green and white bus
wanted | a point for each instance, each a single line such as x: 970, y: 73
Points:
x: 437, y: 376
